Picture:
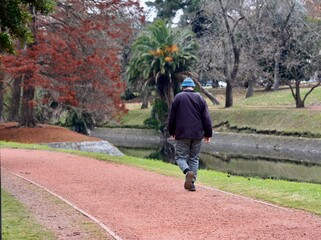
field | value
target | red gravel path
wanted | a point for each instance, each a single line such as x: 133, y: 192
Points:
x: 138, y: 204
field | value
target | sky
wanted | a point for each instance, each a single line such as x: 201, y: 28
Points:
x: 151, y: 15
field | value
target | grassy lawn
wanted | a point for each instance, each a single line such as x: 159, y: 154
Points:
x: 304, y: 196
x: 18, y: 223
x: 302, y: 122
x: 281, y: 98
x: 264, y: 112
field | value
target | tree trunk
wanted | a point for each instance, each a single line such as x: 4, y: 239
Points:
x: 27, y: 112
x: 170, y: 97
x: 210, y: 96
x: 167, y: 151
x: 145, y: 98
x: 250, y: 88
x: 298, y: 101
x: 229, y: 94
x: 277, y: 59
x: 27, y: 118
x: 236, y: 48
x: 207, y: 93
x: 1, y: 97
x: 15, y: 100
x: 144, y: 103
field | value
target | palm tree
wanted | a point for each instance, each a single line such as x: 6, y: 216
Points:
x: 158, y: 54
x: 162, y: 57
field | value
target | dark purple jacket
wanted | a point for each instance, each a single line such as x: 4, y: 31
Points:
x: 189, y: 117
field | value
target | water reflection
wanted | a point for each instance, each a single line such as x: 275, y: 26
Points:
x: 246, y: 165
x: 262, y: 167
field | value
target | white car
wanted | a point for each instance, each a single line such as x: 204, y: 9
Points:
x: 222, y: 84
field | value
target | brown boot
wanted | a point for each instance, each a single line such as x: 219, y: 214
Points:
x: 189, y: 180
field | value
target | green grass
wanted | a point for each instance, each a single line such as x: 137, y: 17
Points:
x: 304, y: 196
x: 281, y: 98
x: 18, y: 223
x: 264, y: 112
x: 302, y: 122
x: 272, y: 111
x: 134, y: 119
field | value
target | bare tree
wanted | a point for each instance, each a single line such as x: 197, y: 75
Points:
x: 291, y: 42
x: 221, y: 48
x: 303, y: 59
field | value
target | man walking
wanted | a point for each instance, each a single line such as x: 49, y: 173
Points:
x: 189, y: 123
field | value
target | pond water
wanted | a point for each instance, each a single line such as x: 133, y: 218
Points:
x: 250, y: 166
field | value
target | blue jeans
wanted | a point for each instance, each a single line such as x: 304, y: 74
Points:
x: 187, y: 154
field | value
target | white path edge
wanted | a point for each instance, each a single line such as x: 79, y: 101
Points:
x: 110, y: 232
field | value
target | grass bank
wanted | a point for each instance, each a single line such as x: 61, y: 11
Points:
x: 287, y: 121
x: 294, y: 122
x: 18, y: 223
x: 271, y: 112
x: 304, y: 196
x: 266, y: 112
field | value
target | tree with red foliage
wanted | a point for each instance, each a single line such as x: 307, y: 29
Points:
x: 314, y: 8
x: 15, y: 25
x: 75, y: 59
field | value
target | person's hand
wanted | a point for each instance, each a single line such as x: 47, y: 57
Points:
x: 207, y: 139
x: 173, y: 137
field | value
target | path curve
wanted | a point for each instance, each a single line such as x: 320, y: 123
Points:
x: 137, y: 204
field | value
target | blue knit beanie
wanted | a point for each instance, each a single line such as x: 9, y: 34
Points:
x: 188, y: 82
